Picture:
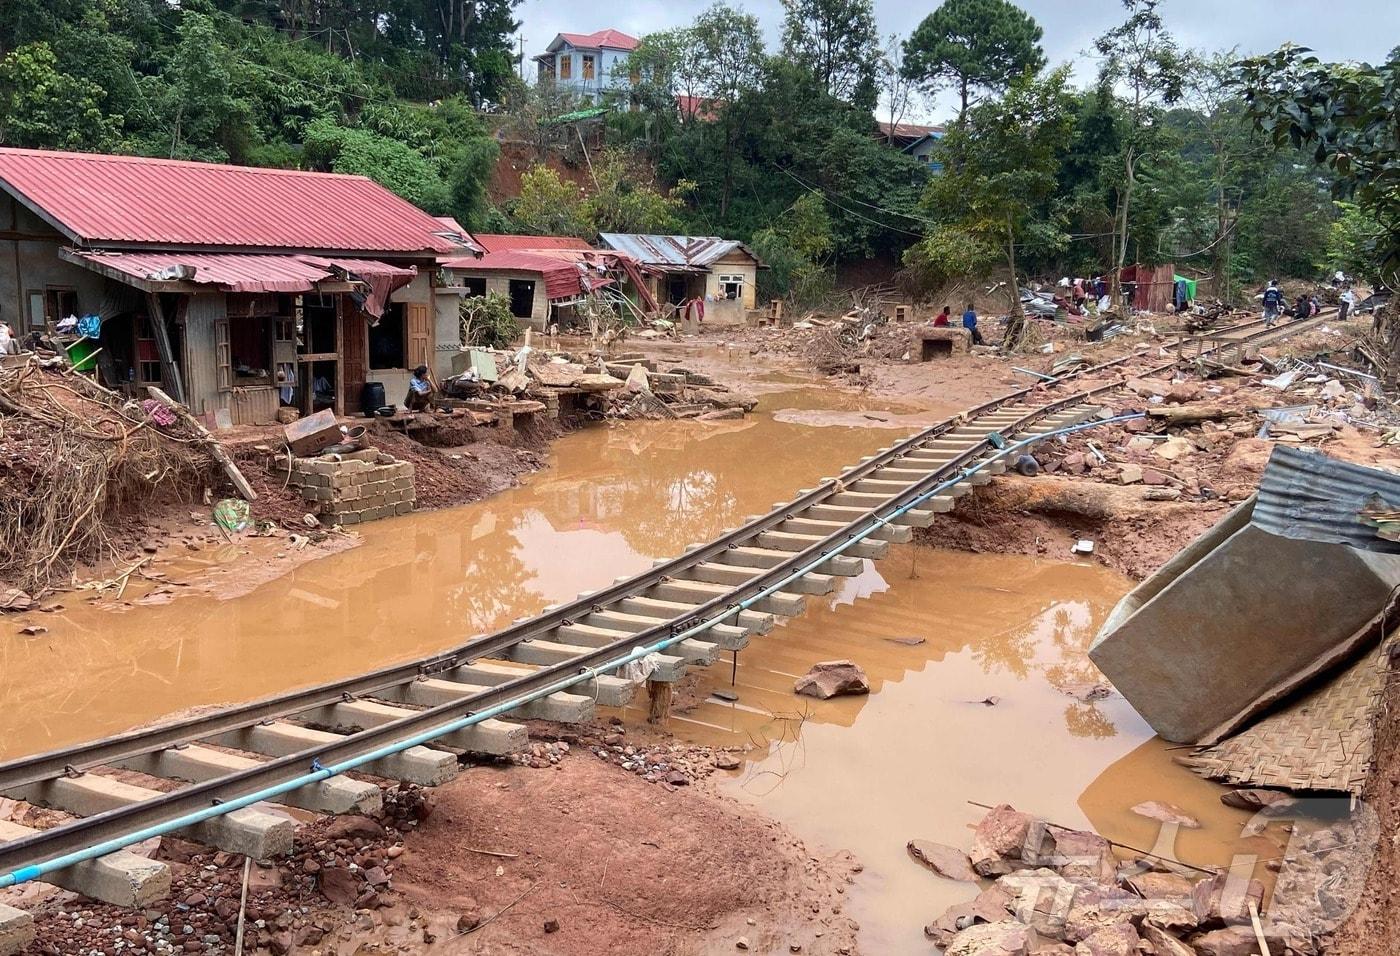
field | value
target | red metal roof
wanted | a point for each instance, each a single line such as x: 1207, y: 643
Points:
x: 242, y: 273
x: 97, y: 199
x: 502, y: 243
x: 562, y: 279
x: 610, y: 39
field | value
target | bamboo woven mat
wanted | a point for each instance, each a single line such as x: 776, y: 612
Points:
x: 1321, y: 741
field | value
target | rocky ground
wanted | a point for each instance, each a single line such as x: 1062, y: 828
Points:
x: 1062, y: 892
x: 583, y: 845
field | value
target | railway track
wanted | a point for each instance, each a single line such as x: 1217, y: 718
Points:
x: 409, y: 722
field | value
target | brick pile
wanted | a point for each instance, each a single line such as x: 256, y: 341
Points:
x: 360, y: 486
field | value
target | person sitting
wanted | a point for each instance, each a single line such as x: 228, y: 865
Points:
x: 1302, y: 308
x: 420, y: 390
x: 940, y: 321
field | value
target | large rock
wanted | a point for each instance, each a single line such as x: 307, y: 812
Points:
x: 1164, y: 943
x: 1120, y: 939
x: 1230, y: 941
x: 1007, y: 840
x: 832, y: 679
x: 1007, y: 938
x: 353, y: 827
x: 1225, y: 899
x: 1161, y: 886
x: 1081, y: 854
x: 340, y: 885
x: 1257, y: 799
x: 944, y: 860
x: 992, y: 905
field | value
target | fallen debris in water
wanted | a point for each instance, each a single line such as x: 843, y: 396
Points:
x: 944, y: 860
x: 1167, y: 813
x: 833, y: 679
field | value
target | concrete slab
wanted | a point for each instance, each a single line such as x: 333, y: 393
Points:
x: 756, y: 622
x: 814, y: 526
x: 727, y: 636
x: 496, y: 737
x: 791, y: 541
x: 607, y: 690
x: 562, y: 707
x: 421, y: 765
x: 16, y: 930
x: 1224, y: 627
x: 249, y: 831
x: 122, y: 878
x: 197, y: 764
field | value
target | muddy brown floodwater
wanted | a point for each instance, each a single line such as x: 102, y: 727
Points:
x: 613, y: 500
x: 977, y: 711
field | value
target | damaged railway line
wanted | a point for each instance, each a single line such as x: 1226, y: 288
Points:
x: 408, y: 722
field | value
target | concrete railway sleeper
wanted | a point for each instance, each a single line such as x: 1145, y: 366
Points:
x: 403, y: 722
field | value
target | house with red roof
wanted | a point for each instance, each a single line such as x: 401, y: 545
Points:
x: 238, y: 290
x: 591, y: 65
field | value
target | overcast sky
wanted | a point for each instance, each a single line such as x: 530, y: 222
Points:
x: 1337, y: 30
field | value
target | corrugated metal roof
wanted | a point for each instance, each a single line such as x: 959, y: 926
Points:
x: 233, y: 272
x: 674, y: 251
x: 98, y: 199
x: 562, y: 279
x: 495, y: 242
x: 1313, y: 497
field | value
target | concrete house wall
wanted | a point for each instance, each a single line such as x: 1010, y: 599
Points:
x: 610, y: 73
x: 29, y: 262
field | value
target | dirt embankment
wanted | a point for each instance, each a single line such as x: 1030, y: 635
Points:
x: 1374, y: 925
x: 562, y: 854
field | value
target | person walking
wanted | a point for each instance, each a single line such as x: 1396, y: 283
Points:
x: 970, y: 323
x: 1344, y: 303
x: 1273, y: 302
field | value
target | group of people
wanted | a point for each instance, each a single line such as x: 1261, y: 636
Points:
x: 969, y: 322
x: 1305, y: 306
x: 1080, y: 291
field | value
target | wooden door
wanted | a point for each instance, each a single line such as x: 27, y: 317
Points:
x: 354, y: 356
x: 419, y: 321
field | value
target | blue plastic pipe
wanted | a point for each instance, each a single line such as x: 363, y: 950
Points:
x: 319, y: 773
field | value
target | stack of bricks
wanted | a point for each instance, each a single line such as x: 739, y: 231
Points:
x: 352, y: 488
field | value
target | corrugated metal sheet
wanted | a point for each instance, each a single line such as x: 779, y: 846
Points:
x: 562, y: 279
x: 674, y: 252
x: 1310, y: 496
x: 245, y: 273
x: 126, y: 199
x: 501, y: 243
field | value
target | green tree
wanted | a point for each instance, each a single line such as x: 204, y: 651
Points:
x: 1351, y: 241
x: 205, y: 118
x: 974, y: 45
x: 549, y: 205
x: 836, y: 41
x: 1143, y: 60
x: 797, y: 251
x: 1346, y: 115
x: 43, y: 107
x: 624, y: 200
x: 394, y: 165
x: 997, y: 198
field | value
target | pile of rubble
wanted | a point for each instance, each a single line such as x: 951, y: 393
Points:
x: 672, y: 764
x: 628, y: 386
x: 1063, y: 892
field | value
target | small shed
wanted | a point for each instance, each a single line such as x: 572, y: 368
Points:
x: 679, y: 269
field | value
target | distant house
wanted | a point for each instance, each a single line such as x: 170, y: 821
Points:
x: 676, y: 269
x: 593, y: 66
x: 236, y: 289
x: 921, y: 142
x: 545, y: 277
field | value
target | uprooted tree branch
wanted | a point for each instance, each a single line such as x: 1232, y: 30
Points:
x: 75, y: 458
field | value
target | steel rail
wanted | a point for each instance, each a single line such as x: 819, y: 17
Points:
x: 47, y: 765
x: 83, y: 831
x: 86, y: 831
